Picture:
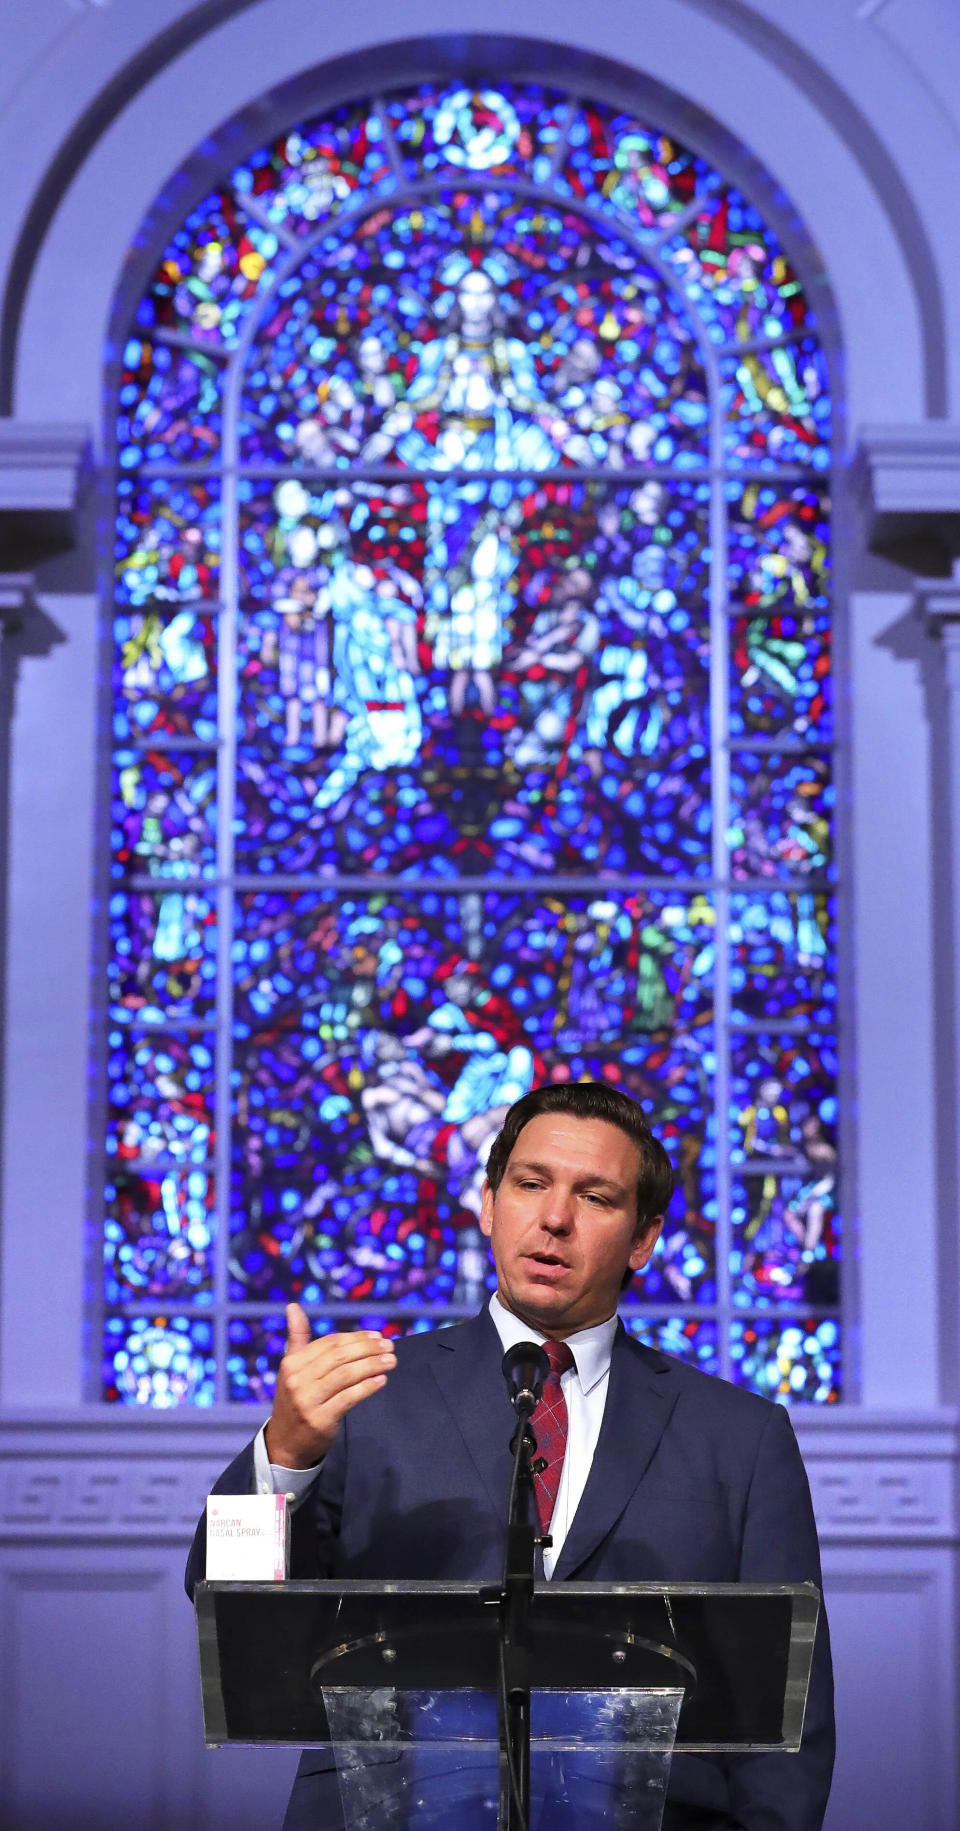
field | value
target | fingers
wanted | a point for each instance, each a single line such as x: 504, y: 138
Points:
x: 327, y: 1356
x: 318, y: 1383
x: 334, y: 1366
x: 298, y: 1328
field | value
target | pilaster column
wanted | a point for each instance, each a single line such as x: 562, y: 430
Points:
x: 45, y: 761
x: 907, y: 481
x: 938, y: 605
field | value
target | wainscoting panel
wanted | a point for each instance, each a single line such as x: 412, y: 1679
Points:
x: 100, y: 1702
x: 87, y: 1707
x: 891, y: 1615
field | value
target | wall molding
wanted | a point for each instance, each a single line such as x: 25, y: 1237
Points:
x: 907, y: 482
x: 44, y: 469
x: 876, y: 1478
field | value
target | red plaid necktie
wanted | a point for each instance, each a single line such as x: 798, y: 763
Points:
x: 550, y: 1429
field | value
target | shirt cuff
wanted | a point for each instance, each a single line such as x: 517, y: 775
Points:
x: 270, y: 1478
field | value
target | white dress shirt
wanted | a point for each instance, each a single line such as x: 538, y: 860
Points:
x: 584, y: 1388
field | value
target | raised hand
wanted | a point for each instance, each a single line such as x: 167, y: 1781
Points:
x: 317, y: 1384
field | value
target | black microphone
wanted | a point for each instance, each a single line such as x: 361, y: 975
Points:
x: 525, y: 1367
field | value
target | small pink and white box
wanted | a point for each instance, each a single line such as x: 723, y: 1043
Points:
x: 248, y: 1538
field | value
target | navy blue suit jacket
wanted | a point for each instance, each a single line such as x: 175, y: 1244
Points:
x: 693, y: 1480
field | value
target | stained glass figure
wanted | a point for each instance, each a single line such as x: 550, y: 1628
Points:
x: 380, y: 1041
x: 160, y: 1090
x: 163, y: 806
x: 164, y: 958
x: 787, y: 1235
x: 158, y: 1235
x: 472, y: 728
x: 595, y: 753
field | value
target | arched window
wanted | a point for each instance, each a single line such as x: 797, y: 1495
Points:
x: 472, y: 727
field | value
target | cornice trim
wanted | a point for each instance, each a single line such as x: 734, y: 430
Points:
x: 906, y: 479
x: 44, y: 466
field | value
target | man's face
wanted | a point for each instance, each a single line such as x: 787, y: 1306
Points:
x: 476, y: 297
x: 563, y: 1223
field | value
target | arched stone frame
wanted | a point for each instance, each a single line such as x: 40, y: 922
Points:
x: 297, y: 102
x: 755, y: 94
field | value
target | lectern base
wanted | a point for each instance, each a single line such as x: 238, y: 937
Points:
x: 430, y: 1761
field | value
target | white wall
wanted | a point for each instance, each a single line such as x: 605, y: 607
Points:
x: 817, y: 133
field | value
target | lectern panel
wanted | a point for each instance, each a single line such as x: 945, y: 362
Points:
x: 740, y: 1653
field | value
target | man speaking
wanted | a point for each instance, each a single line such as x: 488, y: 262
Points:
x: 400, y: 1461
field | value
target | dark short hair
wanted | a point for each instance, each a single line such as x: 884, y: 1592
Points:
x: 592, y: 1100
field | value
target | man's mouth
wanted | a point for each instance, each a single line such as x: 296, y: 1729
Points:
x: 548, y: 1263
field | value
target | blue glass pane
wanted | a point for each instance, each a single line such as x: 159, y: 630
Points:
x: 777, y: 406
x: 631, y: 169
x: 494, y: 129
x: 158, y: 1235
x: 780, y: 676
x: 779, y: 549
x: 163, y: 956
x: 786, y: 1238
x: 783, y: 957
x: 160, y: 1361
x: 160, y: 1094
x: 315, y: 171
x: 733, y: 268
x: 783, y: 1097
x: 781, y: 813
x: 211, y: 274
x: 169, y: 405
x: 163, y: 808
x: 167, y: 562
x: 687, y: 1340
x: 790, y: 1361
x: 683, y: 1267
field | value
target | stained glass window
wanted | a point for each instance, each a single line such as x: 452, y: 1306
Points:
x: 472, y: 728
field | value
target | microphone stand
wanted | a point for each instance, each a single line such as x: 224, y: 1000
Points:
x: 516, y: 1598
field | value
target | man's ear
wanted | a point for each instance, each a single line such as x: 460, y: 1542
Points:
x: 645, y: 1243
x: 486, y: 1209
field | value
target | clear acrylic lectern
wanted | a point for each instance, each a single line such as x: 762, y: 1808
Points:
x: 404, y: 1681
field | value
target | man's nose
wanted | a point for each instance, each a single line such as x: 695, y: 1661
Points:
x: 558, y: 1210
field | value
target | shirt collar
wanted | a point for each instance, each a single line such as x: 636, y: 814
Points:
x: 591, y: 1348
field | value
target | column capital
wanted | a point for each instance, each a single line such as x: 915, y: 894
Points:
x: 907, y: 481
x: 938, y: 606
x: 43, y: 467
x: 16, y: 599
x: 938, y: 602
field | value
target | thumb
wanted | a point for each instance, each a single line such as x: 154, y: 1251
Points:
x: 298, y: 1328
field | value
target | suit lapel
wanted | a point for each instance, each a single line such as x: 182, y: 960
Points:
x: 640, y: 1398
x: 467, y: 1369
